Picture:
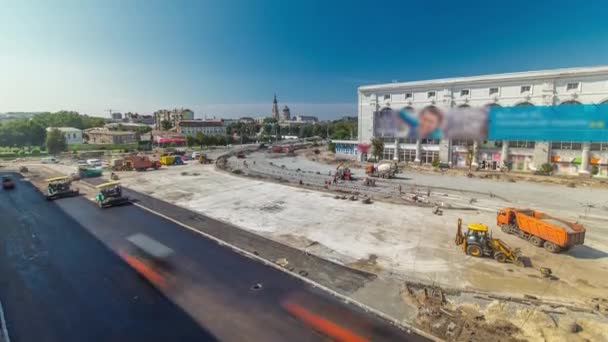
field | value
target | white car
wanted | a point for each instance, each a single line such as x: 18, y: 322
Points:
x: 49, y: 160
x: 196, y: 155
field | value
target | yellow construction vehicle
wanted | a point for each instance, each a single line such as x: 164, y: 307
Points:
x: 478, y: 242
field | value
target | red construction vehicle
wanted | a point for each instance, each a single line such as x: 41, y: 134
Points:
x: 540, y: 229
x: 138, y: 163
x: 343, y: 173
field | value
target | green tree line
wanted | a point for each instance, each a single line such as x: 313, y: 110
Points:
x: 337, y: 129
x: 32, y: 132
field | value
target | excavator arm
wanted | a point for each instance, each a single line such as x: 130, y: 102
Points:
x: 460, y: 237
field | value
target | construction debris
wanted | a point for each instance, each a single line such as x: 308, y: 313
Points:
x: 282, y: 262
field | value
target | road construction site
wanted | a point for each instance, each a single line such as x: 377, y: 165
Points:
x: 402, y: 231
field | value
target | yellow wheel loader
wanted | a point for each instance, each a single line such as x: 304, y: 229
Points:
x: 477, y: 241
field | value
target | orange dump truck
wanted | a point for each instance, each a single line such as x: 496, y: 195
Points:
x: 541, y: 229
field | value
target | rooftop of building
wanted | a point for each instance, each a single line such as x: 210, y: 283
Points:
x: 201, y: 123
x: 99, y: 130
x: 549, y: 73
x: 64, y: 129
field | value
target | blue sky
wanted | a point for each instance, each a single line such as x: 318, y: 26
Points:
x: 228, y: 57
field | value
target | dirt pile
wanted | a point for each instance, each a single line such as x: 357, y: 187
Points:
x: 439, y: 317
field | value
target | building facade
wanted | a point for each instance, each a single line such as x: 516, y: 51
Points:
x: 116, y: 116
x: 285, y: 114
x: 587, y: 85
x: 72, y: 135
x: 207, y: 127
x: 306, y: 119
x: 174, y: 116
x: 105, y: 136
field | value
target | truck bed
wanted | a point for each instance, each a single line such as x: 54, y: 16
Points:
x: 564, y: 234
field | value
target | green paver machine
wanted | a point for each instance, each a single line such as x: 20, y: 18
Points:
x: 110, y: 194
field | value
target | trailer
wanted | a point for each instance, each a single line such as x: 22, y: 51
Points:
x: 540, y: 229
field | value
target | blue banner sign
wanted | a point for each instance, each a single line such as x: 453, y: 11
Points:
x: 549, y: 123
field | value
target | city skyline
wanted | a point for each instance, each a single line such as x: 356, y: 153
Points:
x: 227, y: 58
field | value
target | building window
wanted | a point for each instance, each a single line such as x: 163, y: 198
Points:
x: 408, y: 95
x: 388, y: 153
x: 565, y: 145
x: 427, y: 157
x: 493, y: 91
x: 599, y: 146
x: 430, y: 141
x: 430, y: 94
x: 407, y: 155
x: 525, y: 89
x: 462, y: 142
x: 572, y: 102
x: 387, y: 97
x: 408, y: 140
x: 464, y: 92
x: 572, y: 86
x: 521, y: 144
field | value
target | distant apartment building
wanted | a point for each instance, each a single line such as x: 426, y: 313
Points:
x: 207, y: 127
x: 105, y: 136
x: 72, y: 135
x: 246, y: 119
x: 139, y: 118
x: 173, y: 116
x: 228, y: 122
x: 116, y: 116
x: 306, y: 119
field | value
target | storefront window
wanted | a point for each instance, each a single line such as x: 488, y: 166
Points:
x: 407, y: 155
x: 388, y: 153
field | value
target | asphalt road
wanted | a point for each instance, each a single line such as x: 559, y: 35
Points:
x: 59, y: 283
x: 64, y: 281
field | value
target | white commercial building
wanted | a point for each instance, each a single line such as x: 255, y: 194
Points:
x: 207, y: 127
x: 72, y: 135
x: 586, y: 85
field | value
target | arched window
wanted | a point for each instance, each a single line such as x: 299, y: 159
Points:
x: 524, y: 104
x: 604, y: 102
x: 490, y: 105
x: 409, y: 109
x: 571, y: 102
x: 464, y: 106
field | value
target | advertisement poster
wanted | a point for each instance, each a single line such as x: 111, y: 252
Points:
x: 584, y: 123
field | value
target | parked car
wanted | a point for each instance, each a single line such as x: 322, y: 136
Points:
x: 196, y: 154
x: 49, y: 160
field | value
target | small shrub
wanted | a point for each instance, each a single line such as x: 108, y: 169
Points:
x: 546, y: 169
x: 595, y: 170
x: 435, y: 162
x: 35, y: 151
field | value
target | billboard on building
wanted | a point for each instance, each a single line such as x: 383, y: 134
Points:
x: 549, y: 123
x: 534, y: 123
x: 432, y: 122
